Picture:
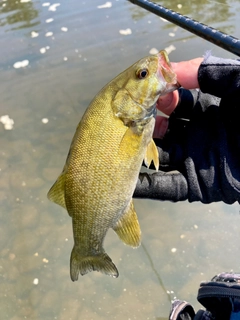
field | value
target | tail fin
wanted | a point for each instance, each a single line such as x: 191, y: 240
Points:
x: 84, y: 264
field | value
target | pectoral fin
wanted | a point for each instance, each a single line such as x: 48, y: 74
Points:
x: 56, y: 193
x: 128, y: 229
x: 129, y: 145
x: 152, y: 155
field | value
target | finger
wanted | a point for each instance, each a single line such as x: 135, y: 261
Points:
x: 171, y: 149
x: 187, y: 72
x: 161, y: 126
x: 168, y: 102
x: 162, y: 186
x: 187, y: 75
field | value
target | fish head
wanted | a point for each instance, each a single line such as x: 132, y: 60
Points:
x: 149, y: 78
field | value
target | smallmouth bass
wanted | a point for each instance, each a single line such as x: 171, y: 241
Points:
x: 112, y: 139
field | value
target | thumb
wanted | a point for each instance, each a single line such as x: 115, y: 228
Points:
x: 168, y: 102
x: 187, y: 72
x: 161, y: 126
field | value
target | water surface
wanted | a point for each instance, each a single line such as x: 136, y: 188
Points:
x: 71, y: 53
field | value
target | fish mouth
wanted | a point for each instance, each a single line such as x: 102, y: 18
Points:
x: 171, y: 87
x: 166, y: 73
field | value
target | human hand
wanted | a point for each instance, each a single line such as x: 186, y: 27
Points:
x: 187, y: 75
x: 199, y: 154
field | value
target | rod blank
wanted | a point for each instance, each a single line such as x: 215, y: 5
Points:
x: 216, y: 37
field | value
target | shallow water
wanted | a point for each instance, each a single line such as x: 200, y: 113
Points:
x: 71, y: 53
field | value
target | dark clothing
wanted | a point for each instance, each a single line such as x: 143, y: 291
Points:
x: 220, y: 297
x: 202, y: 145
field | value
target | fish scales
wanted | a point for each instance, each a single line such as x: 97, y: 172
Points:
x: 111, y: 141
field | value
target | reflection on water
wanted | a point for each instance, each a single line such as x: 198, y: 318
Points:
x: 20, y: 14
x: 211, y: 13
x: 83, y: 49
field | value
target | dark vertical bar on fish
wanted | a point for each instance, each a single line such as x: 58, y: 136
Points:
x: 216, y: 37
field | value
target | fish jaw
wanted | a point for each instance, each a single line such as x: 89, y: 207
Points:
x: 166, y: 74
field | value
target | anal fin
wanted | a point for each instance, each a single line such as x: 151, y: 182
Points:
x: 128, y: 228
x: 152, y: 155
x: 56, y: 193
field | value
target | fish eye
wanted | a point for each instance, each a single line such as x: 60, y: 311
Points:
x: 142, y: 73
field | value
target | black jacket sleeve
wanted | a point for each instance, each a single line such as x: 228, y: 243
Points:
x: 200, y: 154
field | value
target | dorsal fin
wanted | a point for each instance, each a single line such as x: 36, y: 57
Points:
x: 56, y: 193
x: 128, y: 228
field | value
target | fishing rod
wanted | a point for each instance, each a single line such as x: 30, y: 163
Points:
x: 216, y: 37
